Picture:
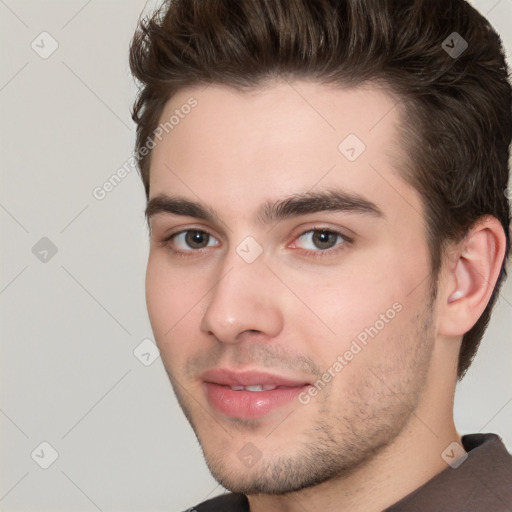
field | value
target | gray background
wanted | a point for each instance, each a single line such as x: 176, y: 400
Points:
x: 70, y: 324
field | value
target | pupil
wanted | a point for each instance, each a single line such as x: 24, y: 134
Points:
x: 197, y: 239
x: 324, y: 239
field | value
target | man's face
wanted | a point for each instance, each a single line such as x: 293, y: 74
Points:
x: 297, y: 338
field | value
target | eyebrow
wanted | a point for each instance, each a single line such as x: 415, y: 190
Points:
x: 271, y: 211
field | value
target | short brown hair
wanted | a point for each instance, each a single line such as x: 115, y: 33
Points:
x: 457, y: 109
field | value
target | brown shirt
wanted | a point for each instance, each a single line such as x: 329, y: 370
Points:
x: 482, y: 483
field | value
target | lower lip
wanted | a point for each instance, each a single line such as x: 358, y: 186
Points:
x: 249, y: 404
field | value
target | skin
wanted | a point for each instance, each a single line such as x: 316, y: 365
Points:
x: 377, y: 430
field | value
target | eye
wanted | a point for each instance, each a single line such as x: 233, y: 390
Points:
x: 191, y: 239
x: 321, y: 239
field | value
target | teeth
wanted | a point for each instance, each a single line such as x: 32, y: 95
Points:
x: 267, y: 387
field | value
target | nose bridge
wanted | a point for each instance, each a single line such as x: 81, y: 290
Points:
x: 242, y: 298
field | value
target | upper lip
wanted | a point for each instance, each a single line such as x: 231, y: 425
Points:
x: 226, y: 377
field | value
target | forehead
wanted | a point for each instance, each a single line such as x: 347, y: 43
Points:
x: 240, y: 147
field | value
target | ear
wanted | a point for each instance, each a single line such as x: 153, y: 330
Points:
x: 472, y: 271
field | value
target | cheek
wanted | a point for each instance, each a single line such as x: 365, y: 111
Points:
x: 371, y: 304
x: 159, y: 298
x: 172, y: 306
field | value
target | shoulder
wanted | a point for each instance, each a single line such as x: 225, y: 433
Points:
x: 481, y: 481
x: 223, y: 503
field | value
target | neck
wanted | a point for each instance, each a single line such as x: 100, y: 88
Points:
x: 399, y: 468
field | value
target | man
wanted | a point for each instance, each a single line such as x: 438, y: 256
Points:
x: 329, y: 224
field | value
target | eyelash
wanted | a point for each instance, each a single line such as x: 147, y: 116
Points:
x: 319, y: 253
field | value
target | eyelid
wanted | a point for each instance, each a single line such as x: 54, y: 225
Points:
x: 168, y: 234
x: 346, y: 240
x: 340, y: 246
x: 346, y: 233
x: 210, y: 239
x: 168, y: 237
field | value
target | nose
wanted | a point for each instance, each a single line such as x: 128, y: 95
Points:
x: 244, y: 299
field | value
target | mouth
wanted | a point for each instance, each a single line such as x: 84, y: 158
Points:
x: 249, y: 394
x: 256, y: 387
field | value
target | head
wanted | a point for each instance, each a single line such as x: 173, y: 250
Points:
x: 265, y: 97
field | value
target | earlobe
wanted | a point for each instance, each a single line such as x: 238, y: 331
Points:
x: 471, y: 278
x: 457, y: 294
